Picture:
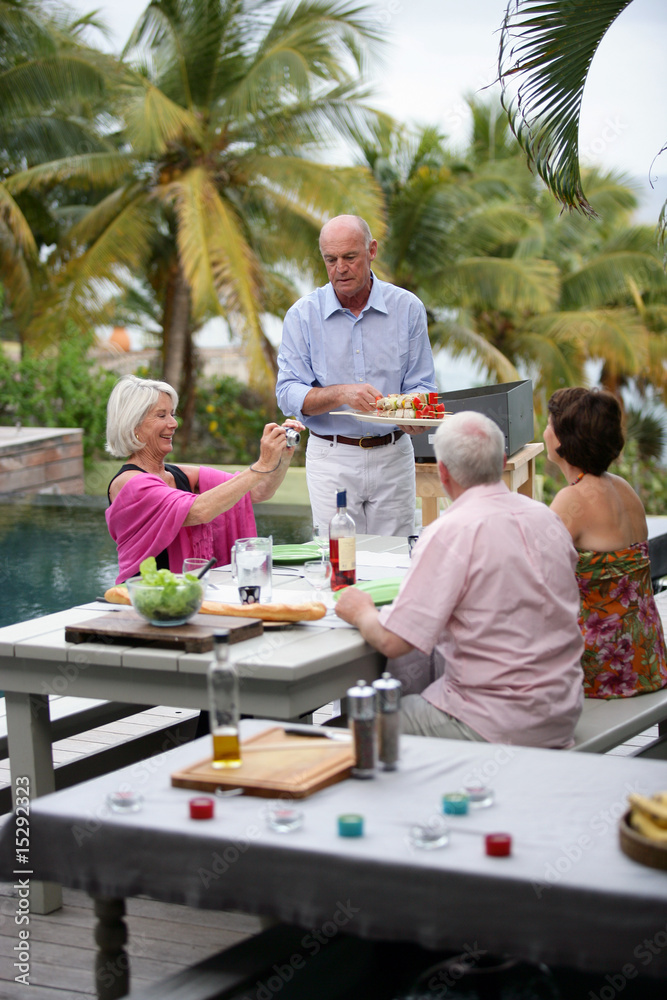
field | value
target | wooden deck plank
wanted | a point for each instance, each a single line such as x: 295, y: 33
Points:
x: 163, y: 939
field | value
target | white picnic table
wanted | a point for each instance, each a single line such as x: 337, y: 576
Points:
x: 284, y: 674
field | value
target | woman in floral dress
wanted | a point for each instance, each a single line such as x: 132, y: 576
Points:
x: 625, y: 646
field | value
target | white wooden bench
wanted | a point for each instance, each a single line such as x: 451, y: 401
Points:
x: 72, y: 717
x: 604, y: 724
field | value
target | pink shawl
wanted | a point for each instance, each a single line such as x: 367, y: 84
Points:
x: 147, y: 516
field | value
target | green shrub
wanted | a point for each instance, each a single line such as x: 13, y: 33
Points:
x: 228, y: 423
x: 58, y: 390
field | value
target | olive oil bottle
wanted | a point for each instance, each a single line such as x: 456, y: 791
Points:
x: 223, y: 696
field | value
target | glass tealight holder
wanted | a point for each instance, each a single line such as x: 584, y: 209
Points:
x: 479, y: 796
x: 283, y: 818
x: 125, y: 802
x: 430, y: 835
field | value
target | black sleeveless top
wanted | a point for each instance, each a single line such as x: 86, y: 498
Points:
x: 182, y: 483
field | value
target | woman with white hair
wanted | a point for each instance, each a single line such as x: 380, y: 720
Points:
x: 173, y: 512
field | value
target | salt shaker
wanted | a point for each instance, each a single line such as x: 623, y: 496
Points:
x: 388, y: 691
x: 361, y: 713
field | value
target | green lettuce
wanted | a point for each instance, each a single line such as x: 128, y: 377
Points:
x: 174, y: 597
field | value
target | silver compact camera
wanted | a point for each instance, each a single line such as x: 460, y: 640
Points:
x: 292, y: 437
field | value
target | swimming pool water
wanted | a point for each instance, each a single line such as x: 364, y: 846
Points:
x: 56, y: 552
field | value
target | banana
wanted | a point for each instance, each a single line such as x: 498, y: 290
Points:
x: 645, y: 825
x: 654, y: 808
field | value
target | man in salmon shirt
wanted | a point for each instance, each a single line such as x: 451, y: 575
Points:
x: 491, y: 591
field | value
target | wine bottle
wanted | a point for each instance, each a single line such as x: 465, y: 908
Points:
x: 342, y: 545
x: 223, y: 695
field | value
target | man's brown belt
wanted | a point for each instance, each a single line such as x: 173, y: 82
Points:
x: 365, y: 442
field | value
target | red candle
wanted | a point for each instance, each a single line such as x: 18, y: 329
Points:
x: 201, y: 808
x: 498, y: 845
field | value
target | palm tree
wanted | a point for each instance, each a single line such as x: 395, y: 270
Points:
x: 211, y: 180
x: 48, y: 86
x: 546, y: 50
x: 505, y: 279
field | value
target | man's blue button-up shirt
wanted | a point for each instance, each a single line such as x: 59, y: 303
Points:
x: 323, y: 344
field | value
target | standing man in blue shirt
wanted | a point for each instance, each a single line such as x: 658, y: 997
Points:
x: 344, y: 345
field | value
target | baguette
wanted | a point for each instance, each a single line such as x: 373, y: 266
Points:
x: 266, y: 612
x: 117, y: 595
x: 309, y: 612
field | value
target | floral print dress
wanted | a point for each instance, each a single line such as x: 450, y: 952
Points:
x: 624, y: 643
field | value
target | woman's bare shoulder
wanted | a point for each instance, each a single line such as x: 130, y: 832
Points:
x: 622, y: 485
x: 567, y: 501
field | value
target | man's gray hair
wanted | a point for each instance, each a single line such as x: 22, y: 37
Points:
x: 129, y: 404
x: 471, y: 447
x: 361, y: 223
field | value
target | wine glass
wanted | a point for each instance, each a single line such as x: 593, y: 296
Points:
x: 318, y: 573
x: 321, y: 539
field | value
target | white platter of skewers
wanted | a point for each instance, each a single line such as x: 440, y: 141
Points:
x: 417, y: 409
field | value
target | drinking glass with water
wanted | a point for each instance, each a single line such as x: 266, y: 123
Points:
x: 252, y: 564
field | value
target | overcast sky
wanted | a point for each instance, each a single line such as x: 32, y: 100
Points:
x: 439, y: 50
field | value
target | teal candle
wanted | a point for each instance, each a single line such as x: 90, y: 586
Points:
x: 350, y: 825
x: 455, y: 804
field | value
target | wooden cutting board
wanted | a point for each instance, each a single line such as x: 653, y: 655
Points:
x: 275, y: 762
x: 194, y: 637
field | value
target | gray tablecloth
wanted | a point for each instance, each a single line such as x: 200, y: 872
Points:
x: 567, y: 894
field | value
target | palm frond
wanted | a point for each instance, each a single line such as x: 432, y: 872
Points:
x: 194, y: 200
x: 31, y: 86
x: 499, y: 225
x: 552, y: 364
x: 42, y: 137
x: 16, y: 276
x: 316, y: 191
x: 89, y: 224
x: 93, y: 169
x: 605, y: 280
x: 16, y: 223
x: 460, y: 338
x: 615, y: 336
x: 153, y: 121
x: 502, y: 284
x: 648, y: 430
x: 546, y: 50
x: 119, y: 251
x: 218, y: 263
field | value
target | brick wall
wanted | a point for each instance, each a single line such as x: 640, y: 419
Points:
x: 41, y: 460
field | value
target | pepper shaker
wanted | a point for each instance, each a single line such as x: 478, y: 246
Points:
x: 361, y: 713
x: 388, y: 691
